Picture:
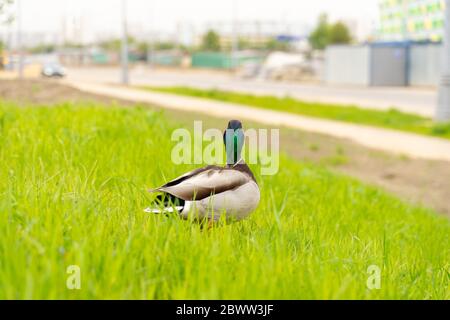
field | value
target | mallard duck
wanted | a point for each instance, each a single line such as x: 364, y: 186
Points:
x: 213, y: 191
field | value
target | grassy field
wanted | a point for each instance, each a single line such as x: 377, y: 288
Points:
x: 391, y: 119
x: 73, y: 181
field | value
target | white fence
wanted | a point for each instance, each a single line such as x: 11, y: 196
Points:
x: 348, y: 65
x: 424, y: 64
x: 364, y: 65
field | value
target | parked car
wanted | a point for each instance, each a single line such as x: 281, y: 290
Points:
x: 53, y: 70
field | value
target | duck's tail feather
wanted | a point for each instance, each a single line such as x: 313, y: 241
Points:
x: 166, y: 204
x: 156, y: 210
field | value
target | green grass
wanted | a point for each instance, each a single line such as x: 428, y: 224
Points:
x: 73, y: 182
x: 391, y: 119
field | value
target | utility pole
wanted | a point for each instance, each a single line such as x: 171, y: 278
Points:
x: 150, y: 49
x: 234, y: 38
x: 443, y: 108
x: 19, y: 38
x: 151, y: 39
x: 124, y: 55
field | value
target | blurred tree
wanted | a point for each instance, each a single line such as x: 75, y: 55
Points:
x: 319, y: 38
x: 325, y: 34
x: 165, y: 45
x: 143, y: 47
x: 244, y: 44
x: 42, y: 48
x: 211, y: 41
x: 115, y: 44
x: 5, y: 18
x: 72, y: 45
x: 339, y: 34
x: 3, y: 6
x: 276, y: 45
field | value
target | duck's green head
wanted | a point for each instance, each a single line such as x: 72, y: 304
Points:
x: 233, y: 138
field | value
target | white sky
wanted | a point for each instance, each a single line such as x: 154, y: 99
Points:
x: 102, y: 17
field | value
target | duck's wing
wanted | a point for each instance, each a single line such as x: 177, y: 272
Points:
x: 187, y: 175
x: 201, y: 183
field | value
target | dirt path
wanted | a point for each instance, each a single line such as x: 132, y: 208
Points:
x: 420, y: 181
x: 412, y: 100
x: 402, y: 143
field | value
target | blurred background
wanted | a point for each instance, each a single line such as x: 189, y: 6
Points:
x: 175, y: 33
x: 365, y: 43
x: 382, y: 65
x: 347, y: 43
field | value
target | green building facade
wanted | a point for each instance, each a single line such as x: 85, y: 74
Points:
x: 416, y: 20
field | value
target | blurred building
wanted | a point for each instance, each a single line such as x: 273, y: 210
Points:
x: 416, y: 20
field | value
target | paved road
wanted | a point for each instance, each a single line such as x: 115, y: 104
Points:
x: 419, y: 101
x: 388, y: 140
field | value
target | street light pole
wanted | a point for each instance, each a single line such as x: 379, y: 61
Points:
x: 19, y: 38
x: 234, y: 37
x: 151, y: 40
x: 124, y: 55
x: 443, y: 108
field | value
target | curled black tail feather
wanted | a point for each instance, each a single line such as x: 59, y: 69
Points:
x: 166, y: 203
x: 168, y: 200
